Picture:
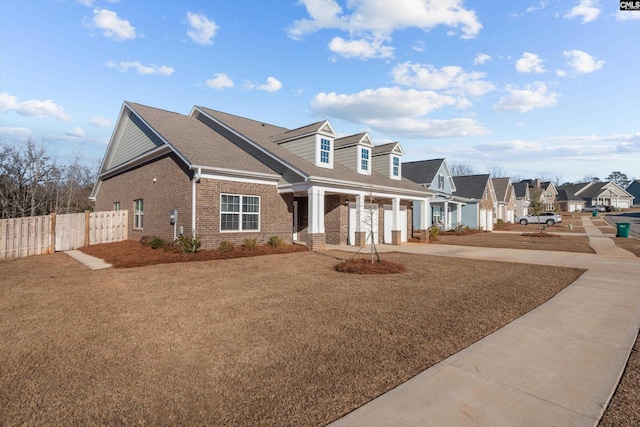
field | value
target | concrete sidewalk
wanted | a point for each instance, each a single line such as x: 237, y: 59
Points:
x: 88, y: 260
x: 557, y: 365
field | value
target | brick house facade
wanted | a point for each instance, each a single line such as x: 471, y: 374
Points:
x: 230, y: 178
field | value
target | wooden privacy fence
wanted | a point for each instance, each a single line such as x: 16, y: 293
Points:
x: 37, y: 235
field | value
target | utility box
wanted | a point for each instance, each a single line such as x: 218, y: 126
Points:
x: 173, y: 216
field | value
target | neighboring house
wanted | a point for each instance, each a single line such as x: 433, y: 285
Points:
x: 545, y: 191
x: 602, y: 193
x: 569, y: 202
x: 480, y: 197
x: 506, y: 199
x: 434, y: 175
x: 229, y: 178
x: 634, y: 190
x: 523, y: 199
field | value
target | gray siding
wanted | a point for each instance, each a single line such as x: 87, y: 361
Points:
x: 380, y: 164
x: 135, y: 139
x: 347, y: 156
x: 304, y: 147
x: 447, y: 184
x: 470, y: 215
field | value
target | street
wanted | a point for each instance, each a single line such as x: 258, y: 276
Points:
x: 632, y: 217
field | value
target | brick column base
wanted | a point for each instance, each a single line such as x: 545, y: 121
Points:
x: 396, y: 237
x: 316, y: 242
x: 361, y: 237
x: 424, y: 236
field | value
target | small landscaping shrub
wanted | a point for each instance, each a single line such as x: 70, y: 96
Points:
x: 275, y: 241
x: 434, y: 231
x: 249, y: 243
x: 500, y: 224
x: 152, y: 241
x: 226, y: 246
x: 188, y: 244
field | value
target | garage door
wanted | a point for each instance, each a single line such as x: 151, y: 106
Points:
x: 388, y: 223
x: 368, y: 221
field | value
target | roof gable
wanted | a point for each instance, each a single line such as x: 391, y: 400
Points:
x: 422, y: 171
x: 351, y: 140
x: 502, y: 187
x: 473, y: 186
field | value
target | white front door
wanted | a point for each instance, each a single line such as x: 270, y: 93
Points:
x: 388, y: 224
x: 368, y: 222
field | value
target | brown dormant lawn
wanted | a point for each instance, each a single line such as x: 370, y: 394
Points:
x: 270, y: 340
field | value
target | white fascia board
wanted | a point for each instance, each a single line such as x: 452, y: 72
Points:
x: 257, y: 146
x: 340, y: 186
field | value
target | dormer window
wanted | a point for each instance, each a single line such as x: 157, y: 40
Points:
x: 365, y: 155
x: 441, y: 182
x: 395, y: 172
x: 325, y: 152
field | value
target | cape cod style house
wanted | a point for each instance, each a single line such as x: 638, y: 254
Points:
x: 481, y: 200
x: 601, y: 193
x: 230, y: 178
x: 443, y: 208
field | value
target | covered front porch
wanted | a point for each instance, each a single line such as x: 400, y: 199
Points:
x: 325, y: 215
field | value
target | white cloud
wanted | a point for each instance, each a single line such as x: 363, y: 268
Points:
x: 372, y: 22
x: 15, y: 133
x: 627, y: 15
x: 588, y: 10
x: 361, y: 49
x: 481, y: 58
x: 531, y: 97
x: 113, y: 27
x: 220, y: 81
x: 140, y: 68
x: 396, y: 112
x: 449, y: 79
x: 272, y: 85
x: 561, y: 73
x: 530, y: 63
x: 76, y: 132
x: 202, y: 30
x: 33, y: 108
x: 582, y: 62
x: 99, y: 122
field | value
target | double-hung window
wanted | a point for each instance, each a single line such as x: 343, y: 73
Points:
x: 325, y: 150
x: 138, y: 212
x: 239, y: 213
x: 116, y: 206
x: 441, y: 181
x: 396, y: 167
x: 364, y: 159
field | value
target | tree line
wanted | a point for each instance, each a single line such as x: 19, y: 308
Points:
x: 34, y: 183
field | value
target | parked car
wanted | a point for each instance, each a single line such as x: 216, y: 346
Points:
x: 548, y: 218
x: 599, y: 208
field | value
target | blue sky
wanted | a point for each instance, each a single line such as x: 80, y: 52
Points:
x: 534, y: 88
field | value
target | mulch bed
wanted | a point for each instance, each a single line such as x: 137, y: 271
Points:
x: 624, y: 407
x: 132, y: 253
x: 365, y: 266
x: 529, y: 240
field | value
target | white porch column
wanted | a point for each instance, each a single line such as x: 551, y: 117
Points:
x: 316, y: 210
x: 425, y: 214
x: 459, y: 214
x: 446, y: 215
x: 359, y: 211
x: 395, y: 206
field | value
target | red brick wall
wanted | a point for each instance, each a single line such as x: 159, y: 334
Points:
x: 171, y: 190
x: 276, y: 212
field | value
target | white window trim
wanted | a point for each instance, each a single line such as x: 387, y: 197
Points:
x: 391, y: 175
x: 138, y: 214
x: 366, y: 171
x: 240, y: 230
x: 319, y: 163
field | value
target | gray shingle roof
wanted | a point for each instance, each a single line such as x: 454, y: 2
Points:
x: 262, y: 133
x: 348, y: 140
x: 196, y: 142
x: 384, y: 148
x: 520, y: 189
x: 502, y: 188
x: 422, y: 171
x: 304, y: 130
x: 566, y: 196
x: 573, y: 188
x: 471, y: 186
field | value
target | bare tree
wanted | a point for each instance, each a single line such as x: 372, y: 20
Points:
x: 496, y: 171
x: 619, y: 178
x: 461, y: 169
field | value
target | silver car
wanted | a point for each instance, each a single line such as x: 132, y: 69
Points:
x: 548, y: 218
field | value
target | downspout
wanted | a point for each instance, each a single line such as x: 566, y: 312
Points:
x: 194, y: 181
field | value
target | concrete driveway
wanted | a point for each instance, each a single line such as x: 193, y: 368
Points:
x: 631, y: 217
